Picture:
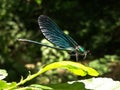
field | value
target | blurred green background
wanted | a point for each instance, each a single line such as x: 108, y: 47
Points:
x: 94, y: 24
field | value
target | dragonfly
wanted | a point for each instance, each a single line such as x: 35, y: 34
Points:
x: 56, y: 36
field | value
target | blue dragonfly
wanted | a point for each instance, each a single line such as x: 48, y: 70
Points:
x: 55, y: 35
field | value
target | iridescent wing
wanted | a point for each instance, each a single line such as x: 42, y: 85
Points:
x: 54, y: 34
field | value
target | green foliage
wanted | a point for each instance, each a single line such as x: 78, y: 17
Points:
x: 5, y: 85
x: 12, y: 26
x: 93, y: 83
x: 103, y: 65
x: 73, y: 67
x: 68, y: 86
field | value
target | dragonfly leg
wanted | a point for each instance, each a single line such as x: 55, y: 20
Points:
x: 76, y: 54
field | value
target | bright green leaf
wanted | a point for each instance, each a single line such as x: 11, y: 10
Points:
x: 92, y: 72
x: 78, y: 72
x: 74, y: 67
x: 3, y: 84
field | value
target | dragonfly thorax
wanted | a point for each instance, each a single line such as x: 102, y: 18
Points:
x: 80, y: 49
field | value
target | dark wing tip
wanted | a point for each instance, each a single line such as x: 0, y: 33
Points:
x: 42, y: 17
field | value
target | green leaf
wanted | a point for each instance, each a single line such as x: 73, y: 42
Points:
x: 3, y: 74
x: 5, y: 85
x: 68, y: 86
x: 92, y: 72
x: 73, y: 67
x: 86, y: 84
x: 62, y: 86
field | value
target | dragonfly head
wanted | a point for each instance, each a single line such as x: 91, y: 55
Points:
x: 82, y: 51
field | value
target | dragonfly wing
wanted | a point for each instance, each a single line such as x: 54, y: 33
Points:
x: 54, y: 34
